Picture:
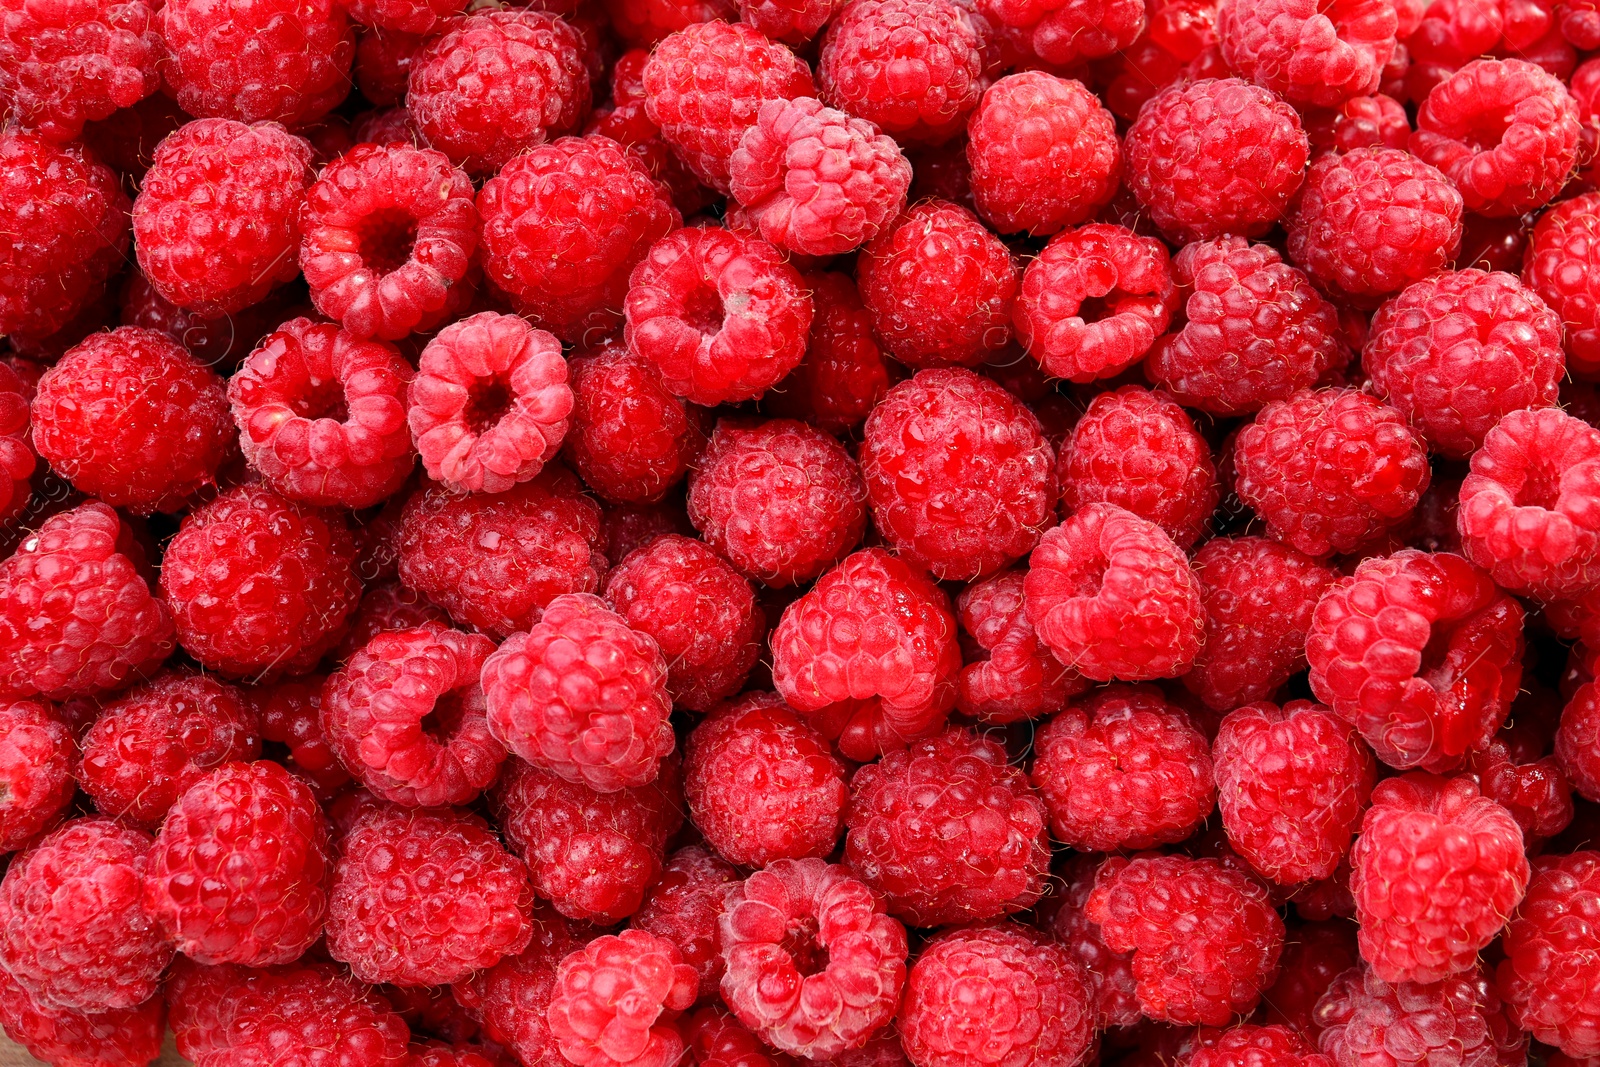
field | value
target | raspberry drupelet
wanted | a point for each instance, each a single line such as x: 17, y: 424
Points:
x: 1018, y: 678
x: 1247, y: 1043
x: 1309, y: 53
x: 511, y: 999
x: 617, y: 999
x: 130, y: 417
x: 1314, y: 954
x: 62, y: 65
x: 1109, y: 974
x: 684, y: 906
x: 217, y: 221
x: 1451, y: 1023
x: 1548, y: 939
x: 629, y: 438
x: 38, y: 757
x: 1578, y: 740
x: 82, y: 1039
x: 1559, y: 268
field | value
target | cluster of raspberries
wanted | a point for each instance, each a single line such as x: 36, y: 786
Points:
x: 787, y: 533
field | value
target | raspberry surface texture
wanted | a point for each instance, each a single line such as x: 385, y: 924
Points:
x: 37, y: 757
x: 1549, y: 937
x: 1463, y: 1021
x: 616, y: 998
x: 1558, y: 269
x: 64, y: 65
x: 629, y: 438
x: 1017, y: 677
x: 120, y: 1038
x: 1309, y: 53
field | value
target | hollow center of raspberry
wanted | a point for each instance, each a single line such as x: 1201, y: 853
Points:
x: 800, y: 942
x: 386, y: 239
x: 702, y: 309
x: 1542, y: 487
x: 1095, y: 308
x: 442, y: 721
x: 322, y: 399
x: 1091, y: 575
x: 487, y: 405
x: 1487, y: 130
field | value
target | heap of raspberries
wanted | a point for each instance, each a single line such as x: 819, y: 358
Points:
x: 788, y: 533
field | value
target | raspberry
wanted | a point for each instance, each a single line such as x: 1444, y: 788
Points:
x: 220, y: 342
x: 869, y: 655
x: 76, y: 612
x: 1436, y: 871
x: 1062, y: 33
x: 1580, y: 23
x: 1205, y: 940
x: 403, y: 16
x: 720, y: 315
x: 1578, y: 740
x: 511, y: 998
x: 69, y: 224
x: 1451, y: 1023
x: 1557, y: 269
x: 38, y: 757
x: 67, y: 64
x: 1309, y: 53
x: 1044, y: 154
x: 494, y: 561
x: 647, y: 22
x: 624, y: 121
x: 1329, y: 469
x: 1458, y: 351
x: 996, y: 994
x: 582, y: 694
x: 616, y: 1000
x: 279, y: 60
x: 1451, y: 34
x: 814, y: 965
x: 1019, y: 679
x: 1112, y: 597
x: 1094, y: 301
x: 498, y: 83
x: 438, y: 1054
x: 938, y: 286
x: 1259, y: 597
x: 1376, y: 121
x: 1253, y: 330
x: 133, y: 419
x: 717, y: 1039
x: 630, y: 438
x: 704, y: 85
x: 258, y: 584
x: 149, y: 746
x: 425, y: 897
x: 17, y: 460
x: 1369, y: 222
x: 290, y: 715
x: 781, y: 500
x: 1214, y: 157
x: 1550, y: 936
x: 700, y: 611
x: 792, y: 22
x: 74, y: 931
x: 1535, y: 790
x: 1314, y: 954
x: 683, y: 907
x: 76, y: 1039
x: 1123, y: 769
x: 1505, y: 131
x: 563, y: 226
x: 1108, y: 974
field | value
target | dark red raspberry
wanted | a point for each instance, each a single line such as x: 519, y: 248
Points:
x: 781, y: 500
x: 74, y: 931
x: 793, y: 22
x: 62, y: 65
x: 1205, y: 940
x: 617, y: 999
x: 1044, y: 153
x: 259, y: 585
x: 1253, y: 329
x: 511, y: 998
x: 630, y: 438
x: 126, y: 140
x: 1314, y: 954
x: 130, y: 417
x: 717, y: 1039
x: 290, y: 714
x: 220, y: 342
x: 1451, y: 1023
x: 1123, y: 769
x: 17, y: 460
x: 158, y: 739
x: 1094, y: 301
x: 125, y: 1038
x: 1109, y: 974
x: 1064, y: 32
x: 466, y: 1054
x: 38, y: 758
x: 1112, y: 597
x: 1258, y: 1046
x: 815, y: 967
x: 1549, y: 937
x: 1514, y: 771
x: 1019, y: 678
x: 1577, y: 740
x: 624, y: 120
x: 76, y: 612
x: 1436, y: 871
x: 1580, y: 23
x: 1375, y: 121
x: 493, y: 561
x: 1309, y: 53
x: 646, y: 22
x: 684, y: 904
x: 999, y: 993
x: 1372, y: 221
x: 1558, y: 269
x: 403, y: 16
x: 1452, y: 33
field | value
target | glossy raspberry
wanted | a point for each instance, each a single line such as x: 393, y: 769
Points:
x: 717, y: 1039
x: 269, y: 60
x: 133, y: 419
x: 1281, y: 1046
x: 1064, y: 32
x: 511, y: 999
x: 1094, y: 301
x: 130, y: 1037
x: 76, y: 612
x: 814, y: 964
x: 625, y: 121
x: 74, y: 931
x: 616, y: 1000
x: 17, y: 459
x: 289, y: 712
x: 1309, y: 53
x: 630, y: 438
x: 258, y: 584
x: 62, y: 65
x: 1314, y: 954
x: 1578, y: 740
x: 683, y: 906
x: 1254, y: 330
x: 1552, y: 936
x: 1515, y: 771
x: 37, y: 762
x: 1112, y: 597
x: 1436, y: 871
x: 1451, y: 1023
x: 1372, y: 221
x: 1019, y: 678
x: 1044, y: 153
x: 1451, y: 34
x: 494, y: 561
x: 1108, y: 974
x: 1204, y: 938
x: 1557, y: 268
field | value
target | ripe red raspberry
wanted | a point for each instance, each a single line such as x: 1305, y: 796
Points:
x: 279, y: 61
x: 217, y: 220
x: 704, y: 85
x: 1214, y: 157
x: 684, y: 905
x: 582, y: 694
x: 1314, y: 954
x: 643, y: 23
x: 1253, y: 329
x: 79, y: 565
x: 511, y: 999
x: 781, y: 500
x: 66, y: 64
x: 258, y: 584
x: 814, y: 965
x: 1452, y: 33
x: 1376, y: 121
x: 74, y: 931
x: 1309, y: 53
x: 630, y: 438
x: 1259, y: 1046
x: 1577, y: 740
x: 1505, y: 131
x: 289, y: 712
x: 1094, y: 301
x: 1550, y: 937
x: 1019, y: 679
x: 1372, y: 221
x: 1112, y: 597
x: 717, y: 1039
x: 1452, y: 1023
x: 1044, y: 153
x: 68, y: 218
x: 122, y: 1038
x: 1436, y: 871
x: 625, y: 122
x: 1123, y: 769
x: 792, y: 22
x: 1515, y: 771
x: 939, y: 286
x: 563, y: 226
x: 616, y: 1001
x: 591, y: 854
x: 1001, y: 994
x: 158, y: 739
x: 493, y: 561
x: 38, y: 758
x: 701, y: 612
x: 1558, y: 269
x: 130, y: 417
x: 1204, y: 938
x: 1458, y: 351
x: 720, y: 315
x: 1064, y: 32
x: 17, y: 460
x: 1109, y: 974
